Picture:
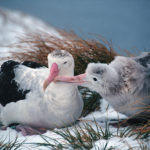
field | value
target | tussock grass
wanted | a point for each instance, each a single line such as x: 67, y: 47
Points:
x: 91, y: 101
x: 38, y: 46
x: 84, y: 135
x: 81, y: 136
x: 50, y: 143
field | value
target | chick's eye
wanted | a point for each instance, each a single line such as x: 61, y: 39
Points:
x: 95, y: 79
x: 65, y: 62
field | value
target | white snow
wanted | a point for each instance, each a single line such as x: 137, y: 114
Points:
x: 100, y: 116
x: 10, y: 135
x: 118, y: 143
x: 107, y: 113
x: 14, y: 23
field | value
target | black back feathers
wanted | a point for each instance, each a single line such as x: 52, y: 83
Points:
x: 9, y: 90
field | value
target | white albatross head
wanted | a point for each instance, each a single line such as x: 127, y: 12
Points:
x: 60, y: 63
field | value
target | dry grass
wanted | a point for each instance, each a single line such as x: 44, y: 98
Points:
x: 81, y: 136
x: 38, y: 46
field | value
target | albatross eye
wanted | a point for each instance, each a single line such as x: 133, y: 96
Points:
x: 95, y: 79
x: 65, y: 62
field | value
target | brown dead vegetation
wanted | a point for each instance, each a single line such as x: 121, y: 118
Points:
x: 36, y: 48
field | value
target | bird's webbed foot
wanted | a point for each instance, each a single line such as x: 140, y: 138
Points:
x: 27, y: 130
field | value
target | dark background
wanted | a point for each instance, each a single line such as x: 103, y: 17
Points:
x: 125, y: 22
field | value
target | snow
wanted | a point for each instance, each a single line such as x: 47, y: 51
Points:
x: 107, y: 113
x: 100, y: 117
x: 118, y: 143
x: 10, y: 135
x: 12, y: 26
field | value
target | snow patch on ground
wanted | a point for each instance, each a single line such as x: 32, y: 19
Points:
x: 118, y: 143
x: 100, y: 117
x: 107, y: 113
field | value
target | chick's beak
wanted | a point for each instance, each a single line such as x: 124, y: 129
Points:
x: 53, y: 73
x: 79, y: 79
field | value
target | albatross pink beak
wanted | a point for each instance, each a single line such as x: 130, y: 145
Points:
x: 79, y: 79
x: 53, y: 73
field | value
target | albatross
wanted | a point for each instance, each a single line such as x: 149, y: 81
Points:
x: 31, y: 97
x: 124, y: 83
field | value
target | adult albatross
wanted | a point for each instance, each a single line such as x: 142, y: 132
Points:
x: 124, y: 83
x: 30, y: 97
